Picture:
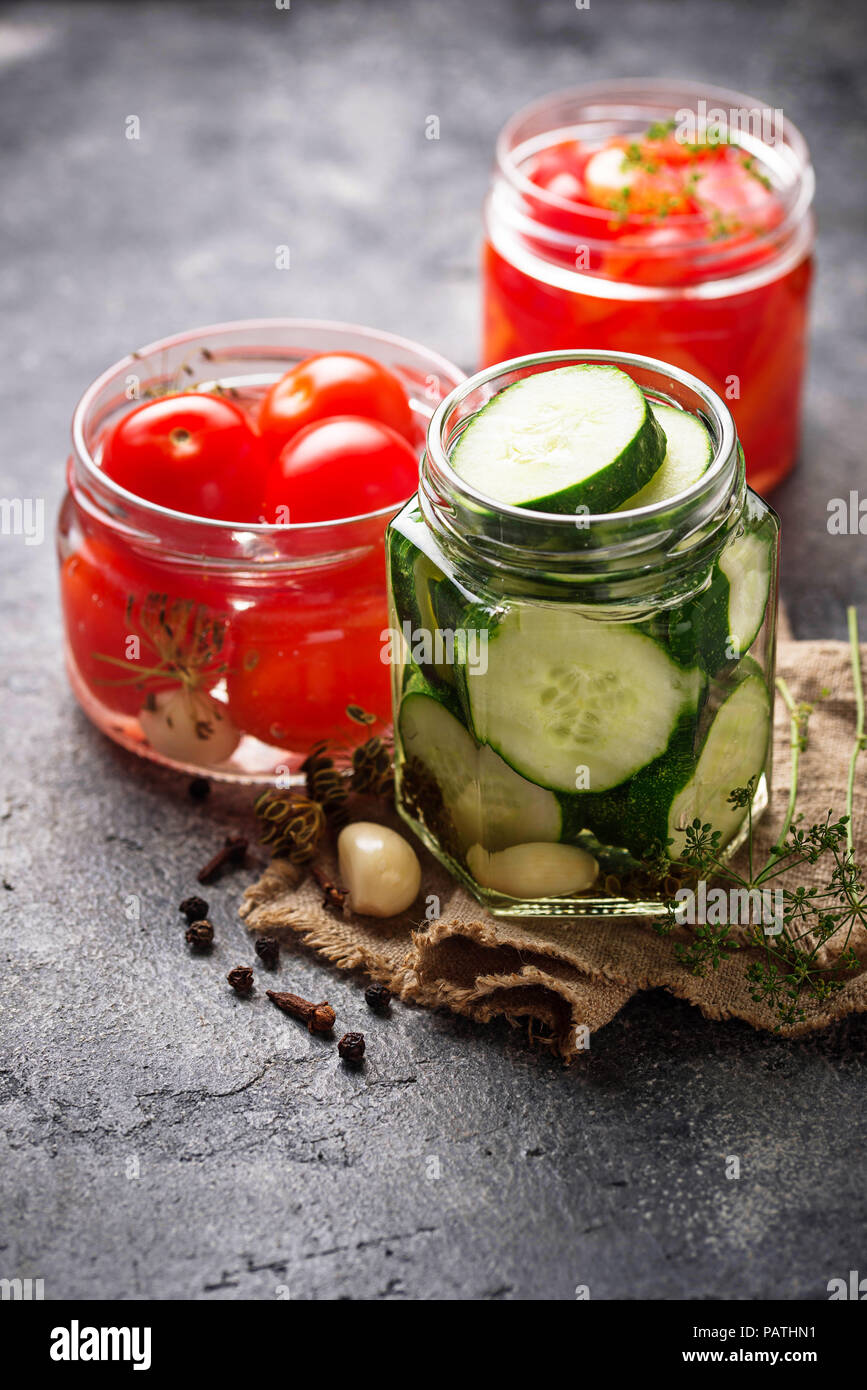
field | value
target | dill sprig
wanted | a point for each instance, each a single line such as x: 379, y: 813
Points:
x: 790, y: 969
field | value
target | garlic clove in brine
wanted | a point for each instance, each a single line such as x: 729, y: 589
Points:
x: 189, y: 726
x: 533, y: 870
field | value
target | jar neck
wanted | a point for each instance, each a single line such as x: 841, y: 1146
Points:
x: 570, y: 244
x: 650, y: 556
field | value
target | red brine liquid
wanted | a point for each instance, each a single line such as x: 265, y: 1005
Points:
x: 693, y: 251
x: 242, y: 625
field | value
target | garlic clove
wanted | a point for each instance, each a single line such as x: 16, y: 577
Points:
x: 533, y: 870
x: 378, y: 868
x: 189, y: 726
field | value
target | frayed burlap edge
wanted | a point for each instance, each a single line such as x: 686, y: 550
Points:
x: 563, y: 978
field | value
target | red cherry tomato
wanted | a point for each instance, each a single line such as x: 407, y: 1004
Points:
x: 339, y: 468
x: 294, y: 667
x: 334, y: 383
x: 194, y: 453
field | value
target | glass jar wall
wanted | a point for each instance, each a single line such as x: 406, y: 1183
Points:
x: 718, y: 286
x: 580, y: 682
x: 220, y: 647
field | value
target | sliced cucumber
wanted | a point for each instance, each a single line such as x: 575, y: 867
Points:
x: 746, y: 563
x: 489, y: 803
x: 734, y: 751
x: 721, y: 623
x: 573, y: 437
x: 563, y: 693
x: 688, y: 454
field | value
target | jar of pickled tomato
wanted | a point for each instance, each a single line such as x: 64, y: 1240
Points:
x: 661, y: 218
x: 221, y: 646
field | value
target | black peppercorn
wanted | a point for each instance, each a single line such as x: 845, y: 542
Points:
x: 377, y: 996
x: 200, y: 935
x: 241, y: 979
x: 268, y: 950
x: 351, y: 1047
x: 199, y: 788
x: 194, y: 909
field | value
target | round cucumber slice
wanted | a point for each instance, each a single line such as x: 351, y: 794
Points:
x: 734, y: 751
x: 489, y: 803
x: 572, y: 437
x: 562, y: 693
x: 688, y: 454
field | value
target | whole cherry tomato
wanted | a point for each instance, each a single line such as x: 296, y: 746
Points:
x: 334, y: 383
x: 193, y: 452
x: 339, y: 468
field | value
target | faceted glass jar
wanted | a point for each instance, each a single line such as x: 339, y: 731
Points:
x: 494, y: 610
x: 221, y: 648
x: 732, y: 310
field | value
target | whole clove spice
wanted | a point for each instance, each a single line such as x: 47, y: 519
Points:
x: 377, y: 996
x: 233, y: 853
x: 332, y: 896
x: 241, y: 979
x: 351, y: 1047
x: 200, y: 935
x: 267, y: 948
x: 194, y: 909
x: 318, y: 1017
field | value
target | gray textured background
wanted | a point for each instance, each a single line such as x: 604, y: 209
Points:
x: 261, y: 1164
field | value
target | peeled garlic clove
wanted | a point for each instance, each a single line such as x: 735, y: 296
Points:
x: 189, y: 726
x: 378, y: 868
x: 533, y: 870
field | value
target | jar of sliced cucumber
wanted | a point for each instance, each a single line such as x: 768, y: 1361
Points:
x: 583, y: 602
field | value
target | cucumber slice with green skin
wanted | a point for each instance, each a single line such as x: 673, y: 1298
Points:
x: 563, y: 693
x: 489, y: 803
x: 634, y: 817
x: 572, y: 437
x: 720, y: 624
x: 688, y: 455
x: 734, y: 750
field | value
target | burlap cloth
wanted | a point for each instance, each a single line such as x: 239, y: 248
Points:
x: 560, y: 976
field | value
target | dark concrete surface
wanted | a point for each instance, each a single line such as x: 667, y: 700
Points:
x: 160, y: 1138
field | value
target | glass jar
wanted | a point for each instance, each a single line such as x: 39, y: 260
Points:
x: 729, y: 308
x: 505, y: 624
x: 217, y: 647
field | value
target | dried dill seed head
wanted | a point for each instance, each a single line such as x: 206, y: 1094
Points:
x: 372, y: 768
x: 291, y: 824
x: 326, y: 783
x: 422, y: 799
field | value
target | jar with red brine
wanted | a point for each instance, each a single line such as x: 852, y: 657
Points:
x: 227, y: 639
x: 661, y: 218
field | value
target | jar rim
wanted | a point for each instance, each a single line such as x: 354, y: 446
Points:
x: 261, y: 530
x: 601, y: 95
x: 438, y: 452
x: 615, y: 553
